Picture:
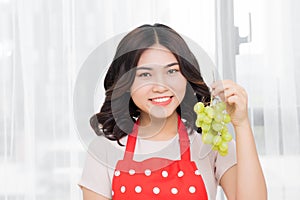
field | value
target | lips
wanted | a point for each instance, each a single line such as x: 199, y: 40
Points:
x: 161, y: 101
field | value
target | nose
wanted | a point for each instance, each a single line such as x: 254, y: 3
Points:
x: 159, y: 85
x: 159, y: 88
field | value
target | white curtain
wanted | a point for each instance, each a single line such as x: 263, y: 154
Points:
x: 43, y: 45
x: 269, y: 69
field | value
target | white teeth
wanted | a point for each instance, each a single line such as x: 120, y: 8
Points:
x: 159, y: 100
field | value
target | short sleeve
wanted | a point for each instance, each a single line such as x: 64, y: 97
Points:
x: 95, y: 177
x: 223, y: 163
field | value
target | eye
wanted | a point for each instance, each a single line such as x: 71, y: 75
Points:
x: 172, y: 71
x: 145, y: 74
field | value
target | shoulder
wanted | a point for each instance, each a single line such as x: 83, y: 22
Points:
x: 99, y: 166
x: 106, y: 151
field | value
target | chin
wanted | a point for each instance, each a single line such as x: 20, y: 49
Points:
x: 161, y: 113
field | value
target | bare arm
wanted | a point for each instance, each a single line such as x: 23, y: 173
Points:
x: 90, y: 195
x: 245, y: 180
x: 250, y: 179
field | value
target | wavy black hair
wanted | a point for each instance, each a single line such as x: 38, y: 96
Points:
x: 118, y: 112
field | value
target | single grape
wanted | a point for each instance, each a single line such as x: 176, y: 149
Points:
x: 199, y: 107
x: 201, y: 116
x: 224, y: 130
x: 223, y: 153
x: 198, y: 123
x: 226, y: 118
x: 207, y: 119
x: 223, y: 146
x: 217, y: 126
x: 226, y: 137
x: 209, y: 111
x: 215, y: 148
x: 207, y: 138
x: 217, y: 140
x: 218, y: 116
x: 205, y: 127
x: 221, y: 106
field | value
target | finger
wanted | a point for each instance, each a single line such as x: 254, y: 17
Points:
x: 219, y: 83
x: 232, y: 100
x: 219, y: 86
x: 228, y: 92
x: 229, y: 88
x: 217, y: 90
x: 238, y: 102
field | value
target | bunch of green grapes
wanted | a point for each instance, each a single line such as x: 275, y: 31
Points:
x: 213, y: 121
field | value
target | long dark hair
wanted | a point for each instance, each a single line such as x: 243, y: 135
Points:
x: 118, y: 112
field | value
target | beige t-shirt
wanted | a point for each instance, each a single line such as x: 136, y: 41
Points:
x: 103, y: 155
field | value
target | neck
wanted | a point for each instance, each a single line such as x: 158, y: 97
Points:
x: 151, y: 128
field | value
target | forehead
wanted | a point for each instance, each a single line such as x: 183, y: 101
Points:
x: 157, y: 55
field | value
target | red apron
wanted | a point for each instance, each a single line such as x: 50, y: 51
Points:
x: 158, y: 178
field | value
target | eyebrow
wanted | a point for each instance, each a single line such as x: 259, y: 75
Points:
x: 150, y: 68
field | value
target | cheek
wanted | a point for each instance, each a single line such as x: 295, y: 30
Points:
x: 139, y: 89
x: 179, y: 85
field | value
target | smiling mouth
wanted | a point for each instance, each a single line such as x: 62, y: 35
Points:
x: 162, y: 101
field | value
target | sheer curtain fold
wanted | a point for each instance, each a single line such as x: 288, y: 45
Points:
x: 42, y: 47
x: 279, y: 57
x: 273, y: 58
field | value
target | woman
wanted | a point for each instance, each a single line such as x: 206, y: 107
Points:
x: 154, y: 150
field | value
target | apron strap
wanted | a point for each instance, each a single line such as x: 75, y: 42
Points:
x: 131, y: 141
x: 183, y: 140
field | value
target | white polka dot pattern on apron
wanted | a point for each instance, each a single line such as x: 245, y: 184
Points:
x: 138, y: 189
x: 192, y: 189
x: 164, y: 174
x: 123, y: 189
x: 180, y: 174
x: 174, y: 191
x: 156, y: 190
x: 117, y: 173
x: 158, y: 178
x: 147, y: 172
x: 132, y: 172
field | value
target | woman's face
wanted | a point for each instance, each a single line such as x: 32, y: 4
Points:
x: 159, y: 86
